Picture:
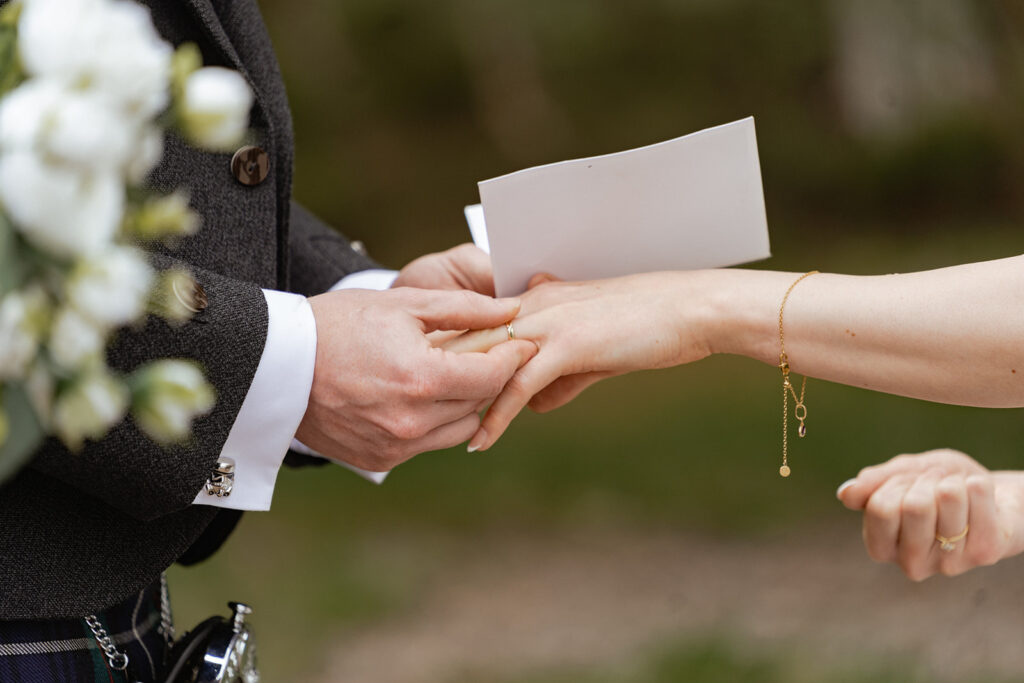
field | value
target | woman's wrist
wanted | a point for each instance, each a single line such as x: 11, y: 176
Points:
x: 743, y: 311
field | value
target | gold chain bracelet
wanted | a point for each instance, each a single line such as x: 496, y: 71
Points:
x: 799, y: 409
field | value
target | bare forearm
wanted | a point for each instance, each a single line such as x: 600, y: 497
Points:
x: 954, y: 335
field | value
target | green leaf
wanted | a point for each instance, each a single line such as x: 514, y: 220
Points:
x: 9, y: 266
x: 10, y: 14
x: 16, y: 258
x: 25, y: 435
x: 11, y: 71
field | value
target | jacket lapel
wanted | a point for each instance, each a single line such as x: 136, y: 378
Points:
x: 206, y: 16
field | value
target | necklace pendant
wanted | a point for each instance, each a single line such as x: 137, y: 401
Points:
x: 784, y: 471
x: 802, y: 431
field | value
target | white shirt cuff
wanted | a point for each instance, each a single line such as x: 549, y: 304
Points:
x: 273, y: 406
x: 376, y: 278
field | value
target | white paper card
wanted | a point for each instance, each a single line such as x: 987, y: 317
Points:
x: 691, y: 202
x: 477, y: 226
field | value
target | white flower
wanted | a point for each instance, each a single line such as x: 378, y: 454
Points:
x: 169, y: 395
x: 26, y: 111
x: 81, y: 127
x: 148, y: 152
x: 23, y: 317
x: 215, y: 107
x: 66, y: 212
x: 111, y: 46
x: 75, y: 341
x: 91, y: 133
x: 88, y: 408
x: 112, y: 287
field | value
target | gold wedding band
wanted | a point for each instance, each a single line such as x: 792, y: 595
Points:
x: 949, y: 544
x: 511, y: 331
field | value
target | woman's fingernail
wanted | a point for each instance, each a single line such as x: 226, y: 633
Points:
x: 845, y: 485
x: 477, y: 442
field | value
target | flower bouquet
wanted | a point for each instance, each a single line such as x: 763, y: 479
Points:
x: 88, y: 89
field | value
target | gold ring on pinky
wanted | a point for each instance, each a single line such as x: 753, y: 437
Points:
x: 511, y: 331
x: 949, y: 544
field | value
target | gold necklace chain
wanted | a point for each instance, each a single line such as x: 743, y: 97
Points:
x: 799, y: 409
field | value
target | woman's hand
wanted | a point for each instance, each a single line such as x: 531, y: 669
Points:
x: 589, y: 330
x: 912, y: 499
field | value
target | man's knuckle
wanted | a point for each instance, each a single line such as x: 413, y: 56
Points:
x: 469, y: 299
x: 422, y: 383
x: 403, y: 426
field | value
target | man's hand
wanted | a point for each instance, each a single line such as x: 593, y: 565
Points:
x: 463, y: 267
x: 382, y: 393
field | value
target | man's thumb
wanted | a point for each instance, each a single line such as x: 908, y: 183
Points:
x: 462, y: 310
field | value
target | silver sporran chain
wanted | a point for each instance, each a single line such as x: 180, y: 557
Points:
x: 118, y: 660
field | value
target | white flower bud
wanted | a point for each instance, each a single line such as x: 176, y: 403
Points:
x: 215, y: 108
x: 89, y: 408
x: 112, y: 287
x: 169, y: 395
x: 167, y: 218
x: 75, y: 341
x: 23, y: 320
x: 65, y: 212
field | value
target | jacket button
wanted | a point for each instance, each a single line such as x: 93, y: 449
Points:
x: 250, y: 165
x: 192, y: 296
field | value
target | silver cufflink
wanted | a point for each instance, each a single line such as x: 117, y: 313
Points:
x: 222, y: 479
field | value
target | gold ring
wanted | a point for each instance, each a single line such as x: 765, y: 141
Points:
x: 949, y: 544
x: 511, y: 331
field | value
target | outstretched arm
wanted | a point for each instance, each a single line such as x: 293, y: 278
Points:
x: 950, y: 335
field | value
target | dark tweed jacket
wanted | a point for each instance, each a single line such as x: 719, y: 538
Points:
x: 80, y: 532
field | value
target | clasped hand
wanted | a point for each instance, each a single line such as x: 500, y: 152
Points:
x: 382, y: 392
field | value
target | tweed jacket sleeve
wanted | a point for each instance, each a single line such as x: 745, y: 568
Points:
x: 319, y: 255
x: 132, y: 473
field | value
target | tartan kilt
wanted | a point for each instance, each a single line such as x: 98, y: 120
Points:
x: 66, y: 651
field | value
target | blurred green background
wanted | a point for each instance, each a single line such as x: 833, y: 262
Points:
x: 642, y: 533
